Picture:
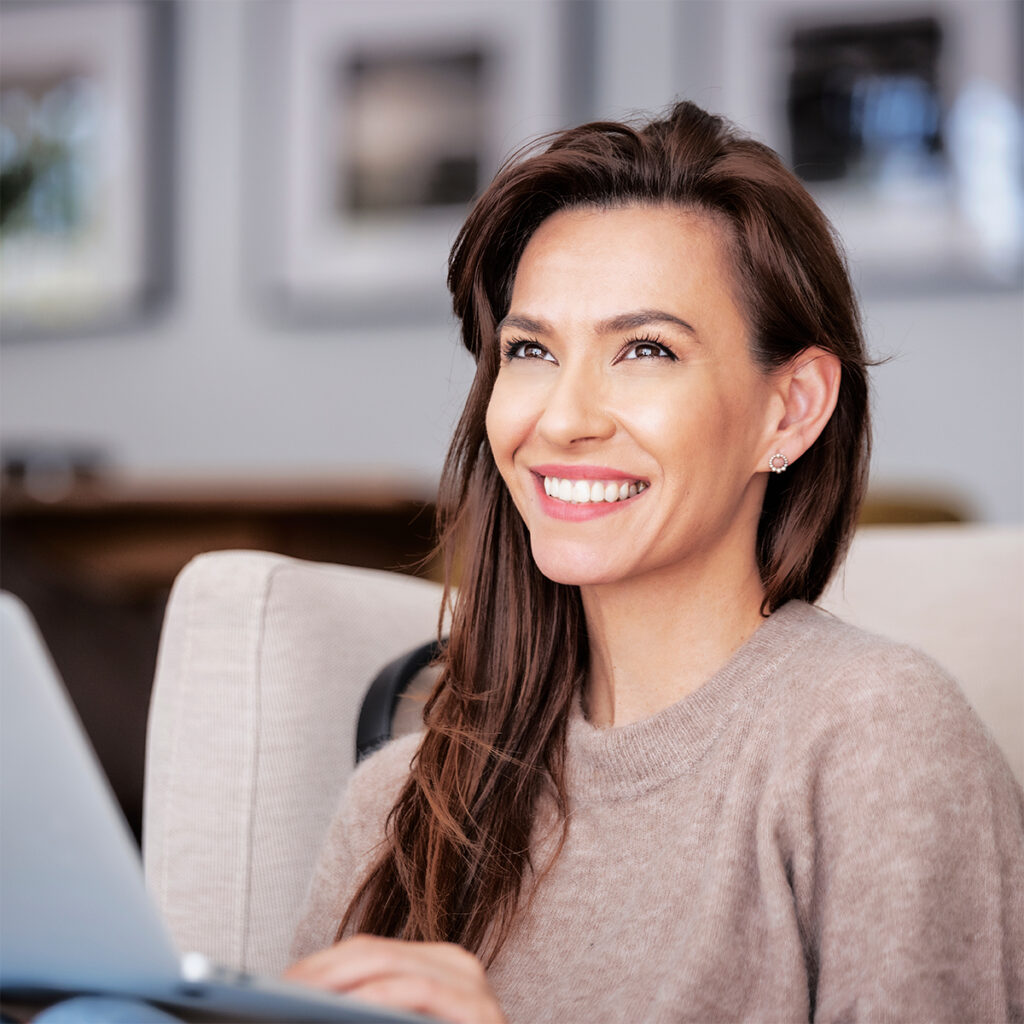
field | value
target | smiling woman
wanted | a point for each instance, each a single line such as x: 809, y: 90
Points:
x: 650, y: 766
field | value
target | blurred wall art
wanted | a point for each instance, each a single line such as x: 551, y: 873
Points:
x: 904, y: 119
x: 84, y: 177
x: 377, y: 124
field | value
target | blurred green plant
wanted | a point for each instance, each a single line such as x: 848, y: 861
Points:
x: 46, y: 131
x: 35, y: 190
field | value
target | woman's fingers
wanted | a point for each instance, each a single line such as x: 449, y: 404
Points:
x: 429, y: 996
x: 435, y: 978
x: 359, y: 959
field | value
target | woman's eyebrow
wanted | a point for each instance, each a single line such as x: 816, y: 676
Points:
x: 620, y: 322
x: 641, y: 318
x: 523, y: 323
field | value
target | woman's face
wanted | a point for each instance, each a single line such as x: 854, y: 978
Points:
x: 628, y: 419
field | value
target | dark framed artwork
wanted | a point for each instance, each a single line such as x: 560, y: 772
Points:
x: 904, y: 120
x: 383, y: 122
x: 85, y: 97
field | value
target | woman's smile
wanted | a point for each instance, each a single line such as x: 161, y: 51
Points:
x: 579, y: 493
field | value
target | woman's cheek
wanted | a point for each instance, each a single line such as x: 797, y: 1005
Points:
x: 506, y: 423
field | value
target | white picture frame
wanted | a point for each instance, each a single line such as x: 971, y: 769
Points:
x: 111, y: 263
x: 320, y: 263
x: 944, y: 234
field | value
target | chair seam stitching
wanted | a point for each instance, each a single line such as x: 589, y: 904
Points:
x: 255, y: 724
x: 176, y: 740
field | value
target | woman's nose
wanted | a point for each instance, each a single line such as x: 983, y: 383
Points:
x: 575, y: 409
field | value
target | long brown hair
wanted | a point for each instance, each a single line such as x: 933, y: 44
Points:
x: 457, y: 857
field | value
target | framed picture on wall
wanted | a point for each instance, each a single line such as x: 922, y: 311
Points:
x: 85, y: 94
x: 904, y: 120
x: 373, y: 126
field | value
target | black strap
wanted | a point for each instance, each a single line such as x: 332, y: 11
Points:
x: 381, y: 701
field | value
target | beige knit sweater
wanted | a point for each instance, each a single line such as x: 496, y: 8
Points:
x: 824, y: 830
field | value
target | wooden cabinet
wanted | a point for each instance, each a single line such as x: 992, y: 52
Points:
x: 95, y: 566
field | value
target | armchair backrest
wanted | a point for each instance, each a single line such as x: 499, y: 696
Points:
x: 262, y: 668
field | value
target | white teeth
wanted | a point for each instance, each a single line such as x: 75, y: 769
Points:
x: 582, y: 492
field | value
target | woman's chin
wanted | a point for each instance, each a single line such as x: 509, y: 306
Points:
x: 578, y: 568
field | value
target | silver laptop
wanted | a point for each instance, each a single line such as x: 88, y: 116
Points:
x: 75, y: 915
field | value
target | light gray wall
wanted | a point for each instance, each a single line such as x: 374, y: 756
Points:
x: 214, y: 387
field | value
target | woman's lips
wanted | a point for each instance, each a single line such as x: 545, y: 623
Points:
x: 576, y: 493
x: 584, y: 472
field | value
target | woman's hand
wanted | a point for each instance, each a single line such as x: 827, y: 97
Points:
x: 434, y: 978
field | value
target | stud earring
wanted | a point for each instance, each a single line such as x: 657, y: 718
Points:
x: 778, y: 463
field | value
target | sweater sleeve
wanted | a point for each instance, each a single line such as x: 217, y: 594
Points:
x: 327, y: 895
x: 352, y: 842
x: 914, y: 883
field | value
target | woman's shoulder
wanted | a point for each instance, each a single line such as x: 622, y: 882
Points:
x: 898, y: 823
x: 832, y: 660
x: 844, y: 690
x: 375, y: 784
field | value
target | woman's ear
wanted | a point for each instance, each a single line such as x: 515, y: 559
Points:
x: 809, y: 388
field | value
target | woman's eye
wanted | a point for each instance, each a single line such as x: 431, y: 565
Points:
x: 647, y: 350
x: 527, y: 350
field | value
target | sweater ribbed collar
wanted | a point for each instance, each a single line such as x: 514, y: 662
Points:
x: 623, y: 761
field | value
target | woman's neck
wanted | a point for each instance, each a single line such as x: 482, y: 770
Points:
x: 656, y: 639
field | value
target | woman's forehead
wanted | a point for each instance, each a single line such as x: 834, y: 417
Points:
x: 604, y: 265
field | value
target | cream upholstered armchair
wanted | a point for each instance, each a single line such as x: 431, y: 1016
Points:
x: 264, y: 662
x: 262, y: 668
